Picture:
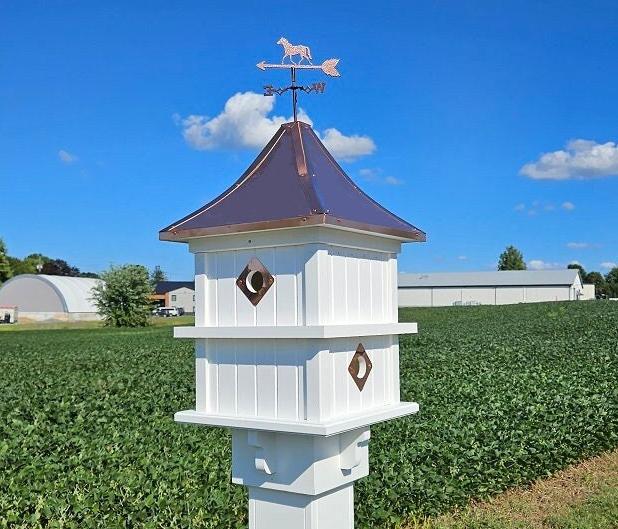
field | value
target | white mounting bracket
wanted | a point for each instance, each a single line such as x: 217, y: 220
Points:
x: 264, y: 445
x: 350, y: 444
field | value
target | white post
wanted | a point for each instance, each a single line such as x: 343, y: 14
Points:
x: 298, y: 481
x: 273, y: 509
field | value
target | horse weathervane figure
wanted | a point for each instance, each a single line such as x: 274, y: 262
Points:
x: 329, y: 67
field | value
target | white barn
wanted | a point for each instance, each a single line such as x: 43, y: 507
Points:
x: 56, y: 298
x: 491, y: 288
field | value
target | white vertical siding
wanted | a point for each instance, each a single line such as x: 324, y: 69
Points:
x: 320, y: 384
x: 201, y: 376
x: 227, y: 377
x: 220, y: 302
x: 226, y: 288
x: 293, y: 379
x: 285, y: 263
x: 201, y: 289
x: 315, y: 284
x: 392, y: 288
x: 266, y: 381
x: 360, y: 290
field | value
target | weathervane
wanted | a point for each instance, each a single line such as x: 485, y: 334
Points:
x: 329, y: 67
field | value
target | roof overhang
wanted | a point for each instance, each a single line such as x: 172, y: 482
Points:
x: 180, y: 235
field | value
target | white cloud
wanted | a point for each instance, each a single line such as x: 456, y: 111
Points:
x: 582, y: 245
x: 376, y: 174
x: 608, y: 265
x: 347, y: 147
x: 371, y: 175
x: 580, y: 159
x: 462, y: 257
x: 537, y: 207
x: 539, y: 264
x: 391, y: 180
x: 66, y: 157
x: 245, y: 123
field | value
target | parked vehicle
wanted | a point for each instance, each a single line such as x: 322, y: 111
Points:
x: 167, y: 312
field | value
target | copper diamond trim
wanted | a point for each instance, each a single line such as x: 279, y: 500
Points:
x: 254, y: 281
x: 360, y: 367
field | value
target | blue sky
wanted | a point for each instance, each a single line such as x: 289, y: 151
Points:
x: 444, y: 111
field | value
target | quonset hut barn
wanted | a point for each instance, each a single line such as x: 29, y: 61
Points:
x: 44, y: 297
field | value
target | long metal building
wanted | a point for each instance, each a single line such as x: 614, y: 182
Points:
x: 491, y: 288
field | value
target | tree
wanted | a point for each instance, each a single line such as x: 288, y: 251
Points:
x: 123, y: 298
x: 17, y: 266
x: 582, y: 271
x: 36, y: 261
x: 597, y: 279
x: 612, y: 282
x: 612, y: 275
x: 27, y: 265
x: 59, y: 267
x: 91, y: 275
x: 511, y: 259
x: 157, y: 275
x: 5, y: 267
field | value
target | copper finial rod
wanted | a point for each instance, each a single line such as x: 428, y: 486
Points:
x: 329, y: 67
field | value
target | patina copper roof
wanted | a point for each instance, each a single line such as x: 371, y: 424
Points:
x: 293, y: 182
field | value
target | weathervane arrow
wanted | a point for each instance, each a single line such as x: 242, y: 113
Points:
x: 329, y: 67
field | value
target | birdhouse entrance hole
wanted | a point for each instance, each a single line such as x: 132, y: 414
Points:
x: 360, y: 367
x: 254, y: 281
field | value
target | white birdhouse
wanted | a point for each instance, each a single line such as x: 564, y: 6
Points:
x: 296, y: 329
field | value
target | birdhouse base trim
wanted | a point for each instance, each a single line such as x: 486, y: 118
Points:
x: 297, y: 331
x: 334, y: 427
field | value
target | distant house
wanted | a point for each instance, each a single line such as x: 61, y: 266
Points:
x: 40, y: 297
x: 491, y: 288
x: 180, y: 294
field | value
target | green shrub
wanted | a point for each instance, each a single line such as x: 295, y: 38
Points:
x: 123, y: 298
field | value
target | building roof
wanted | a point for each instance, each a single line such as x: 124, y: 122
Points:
x: 490, y: 279
x: 293, y: 182
x: 74, y: 293
x: 163, y: 287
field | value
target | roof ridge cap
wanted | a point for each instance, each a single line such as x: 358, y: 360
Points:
x: 305, y: 177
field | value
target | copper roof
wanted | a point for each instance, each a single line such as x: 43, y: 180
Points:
x: 293, y: 182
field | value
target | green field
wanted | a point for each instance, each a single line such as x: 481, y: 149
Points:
x: 507, y: 394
